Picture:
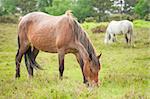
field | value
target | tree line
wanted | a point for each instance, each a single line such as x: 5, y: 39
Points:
x: 82, y: 9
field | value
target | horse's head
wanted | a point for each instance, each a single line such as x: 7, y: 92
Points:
x: 91, y: 70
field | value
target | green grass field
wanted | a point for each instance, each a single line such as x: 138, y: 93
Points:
x: 125, y: 72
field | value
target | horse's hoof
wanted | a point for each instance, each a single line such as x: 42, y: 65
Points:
x: 30, y: 76
x: 17, y: 76
x: 61, y: 78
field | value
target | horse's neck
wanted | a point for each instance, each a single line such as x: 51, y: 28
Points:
x: 83, y: 38
x: 88, y: 46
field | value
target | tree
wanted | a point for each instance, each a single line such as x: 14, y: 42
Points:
x: 129, y: 6
x: 59, y: 7
x: 142, y: 8
x: 7, y: 7
x: 80, y: 8
x: 101, y: 7
x: 83, y: 9
x: 41, y: 4
x: 26, y: 6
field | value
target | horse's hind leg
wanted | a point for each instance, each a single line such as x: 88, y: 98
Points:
x: 20, y: 52
x: 61, y: 64
x: 130, y: 38
x: 126, y: 37
x: 18, y: 61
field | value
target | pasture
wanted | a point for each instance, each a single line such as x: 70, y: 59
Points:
x: 124, y: 74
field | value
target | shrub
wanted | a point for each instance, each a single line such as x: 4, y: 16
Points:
x: 118, y: 17
x: 99, y: 29
x: 8, y: 19
x: 90, y: 19
x: 147, y: 17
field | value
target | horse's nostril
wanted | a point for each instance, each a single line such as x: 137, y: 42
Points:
x: 96, y: 80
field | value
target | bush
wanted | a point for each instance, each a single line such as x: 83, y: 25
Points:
x: 99, y: 29
x: 89, y: 25
x: 8, y: 19
x: 90, y: 19
x: 147, y: 17
x: 119, y: 17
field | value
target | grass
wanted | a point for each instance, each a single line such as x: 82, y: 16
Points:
x: 124, y: 73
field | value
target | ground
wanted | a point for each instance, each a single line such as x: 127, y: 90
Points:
x: 124, y: 74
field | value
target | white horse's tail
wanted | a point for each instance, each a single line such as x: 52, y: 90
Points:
x: 131, y: 36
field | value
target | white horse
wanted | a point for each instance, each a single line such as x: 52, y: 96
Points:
x: 119, y: 27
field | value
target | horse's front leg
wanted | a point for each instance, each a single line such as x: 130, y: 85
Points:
x: 80, y: 61
x: 114, y: 38
x: 61, y: 64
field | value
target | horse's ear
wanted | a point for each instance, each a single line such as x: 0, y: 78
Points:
x: 99, y: 56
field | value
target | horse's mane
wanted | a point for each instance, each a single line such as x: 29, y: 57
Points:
x: 85, y: 41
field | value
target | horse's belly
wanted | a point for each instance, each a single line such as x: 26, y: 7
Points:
x: 114, y: 31
x: 44, y: 43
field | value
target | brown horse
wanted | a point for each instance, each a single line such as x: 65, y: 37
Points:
x: 55, y: 34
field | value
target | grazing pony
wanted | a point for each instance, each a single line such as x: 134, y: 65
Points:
x: 119, y: 27
x: 55, y: 34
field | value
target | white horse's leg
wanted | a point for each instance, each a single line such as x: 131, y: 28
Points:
x: 112, y: 38
x: 127, y: 38
x: 106, y: 38
x: 130, y: 38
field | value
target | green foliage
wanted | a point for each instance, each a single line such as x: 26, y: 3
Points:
x: 83, y: 9
x: 41, y: 4
x: 26, y: 6
x: 147, y: 17
x: 10, y: 6
x: 96, y: 10
x: 142, y: 8
x: 90, y: 19
x: 80, y: 8
x: 128, y: 6
x: 7, y: 7
x: 100, y: 8
x: 59, y: 7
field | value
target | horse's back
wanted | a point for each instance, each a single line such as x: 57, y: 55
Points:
x: 117, y: 27
x: 127, y: 23
x: 126, y: 26
x: 113, y: 27
x: 46, y: 32
x: 35, y: 18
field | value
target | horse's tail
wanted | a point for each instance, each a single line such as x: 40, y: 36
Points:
x: 131, y: 34
x: 30, y: 60
x: 18, y: 41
